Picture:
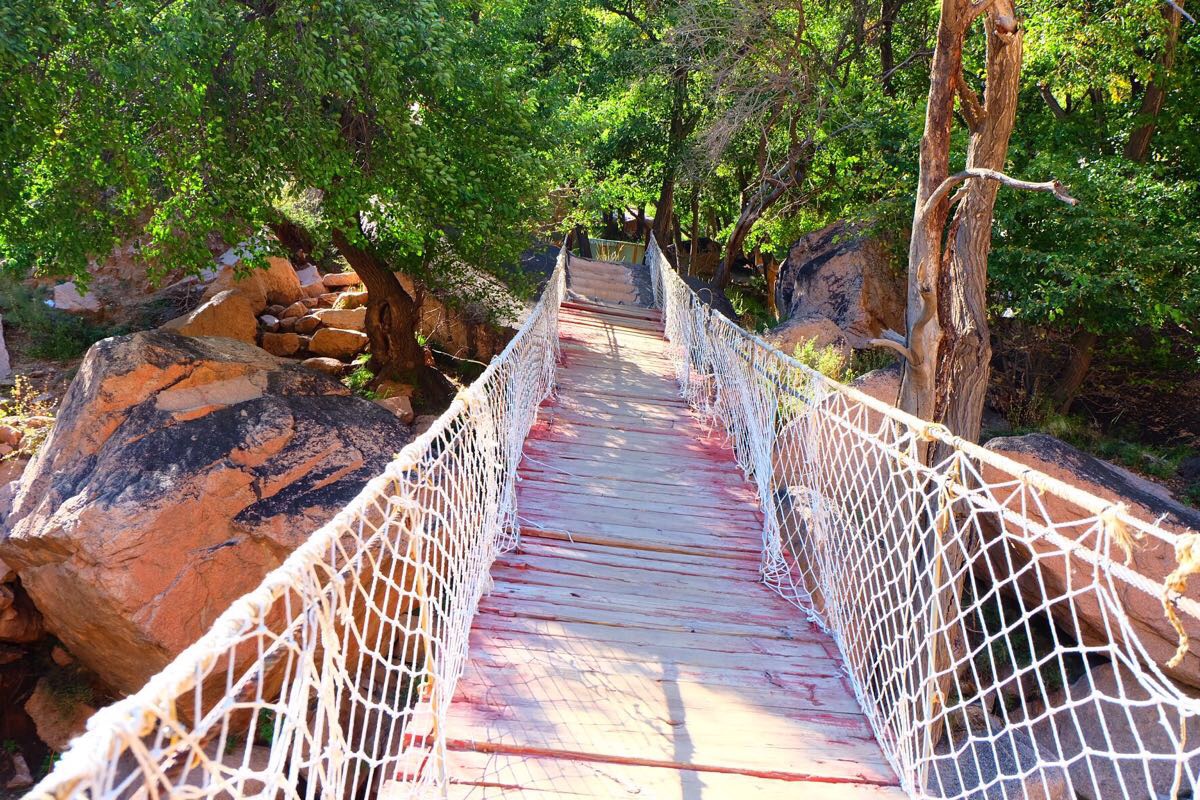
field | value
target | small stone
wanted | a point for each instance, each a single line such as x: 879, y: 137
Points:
x: 350, y: 300
x: 308, y: 275
x: 281, y: 344
x: 296, y: 309
x: 327, y: 300
x: 288, y: 325
x: 336, y: 280
x: 400, y: 406
x: 338, y: 343
x: 58, y: 717
x: 21, y: 778
x: 67, y: 298
x: 5, y: 449
x: 9, y: 435
x: 423, y: 423
x: 330, y: 366
x: 307, y: 324
x: 351, y: 319
x: 389, y: 388
x: 311, y: 302
x: 269, y: 323
x: 60, y: 656
x: 275, y: 310
x: 313, y: 290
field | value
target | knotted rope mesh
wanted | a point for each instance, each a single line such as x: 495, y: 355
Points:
x: 332, y: 678
x: 992, y: 619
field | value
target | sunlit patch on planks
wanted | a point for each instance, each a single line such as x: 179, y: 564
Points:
x: 628, y: 648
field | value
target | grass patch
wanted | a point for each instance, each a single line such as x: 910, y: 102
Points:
x: 360, y: 378
x: 69, y: 688
x: 864, y: 361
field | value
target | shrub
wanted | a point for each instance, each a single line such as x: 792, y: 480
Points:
x: 827, y: 360
x: 53, y: 334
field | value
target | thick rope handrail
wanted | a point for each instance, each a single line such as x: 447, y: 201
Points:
x: 908, y: 566
x: 333, y: 675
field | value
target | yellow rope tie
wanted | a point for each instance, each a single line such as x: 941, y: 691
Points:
x: 1118, y: 532
x: 1187, y: 558
x: 930, y: 430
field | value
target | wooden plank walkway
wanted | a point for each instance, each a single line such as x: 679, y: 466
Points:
x: 627, y: 647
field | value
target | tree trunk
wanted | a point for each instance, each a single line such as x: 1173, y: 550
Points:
x: 948, y: 343
x: 677, y: 134
x: 945, y: 377
x: 612, y: 222
x: 694, y: 235
x: 888, y: 12
x: 771, y: 272
x: 664, y: 209
x: 1138, y: 146
x: 392, y: 317
x: 771, y: 187
x: 965, y: 355
x: 1070, y: 380
x: 579, y: 238
x: 733, y: 249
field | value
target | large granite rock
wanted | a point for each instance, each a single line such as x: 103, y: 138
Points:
x: 229, y: 313
x: 1088, y: 611
x: 179, y: 472
x: 980, y: 759
x: 276, y: 282
x: 845, y: 276
x: 1116, y: 740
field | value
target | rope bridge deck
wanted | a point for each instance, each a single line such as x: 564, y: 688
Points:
x: 748, y: 583
x: 628, y: 645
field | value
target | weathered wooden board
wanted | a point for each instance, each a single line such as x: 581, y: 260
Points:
x: 628, y: 646
x: 505, y: 777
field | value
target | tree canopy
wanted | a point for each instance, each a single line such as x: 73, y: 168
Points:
x: 465, y: 123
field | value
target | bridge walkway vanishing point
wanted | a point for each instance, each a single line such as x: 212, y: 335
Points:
x: 628, y: 647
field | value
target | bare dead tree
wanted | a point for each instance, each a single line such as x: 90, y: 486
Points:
x: 765, y: 76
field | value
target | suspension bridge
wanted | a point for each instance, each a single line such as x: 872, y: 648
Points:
x: 646, y: 554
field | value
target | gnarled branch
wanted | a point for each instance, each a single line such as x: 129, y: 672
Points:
x: 892, y: 341
x: 1054, y: 187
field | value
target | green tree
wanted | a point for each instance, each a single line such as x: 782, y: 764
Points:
x: 183, y: 120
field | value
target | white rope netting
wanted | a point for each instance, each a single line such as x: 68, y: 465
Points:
x: 333, y: 677
x: 992, y: 619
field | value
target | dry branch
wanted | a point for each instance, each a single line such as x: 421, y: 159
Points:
x: 1054, y: 187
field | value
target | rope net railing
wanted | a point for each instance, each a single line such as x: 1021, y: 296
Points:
x: 332, y: 678
x: 984, y: 610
